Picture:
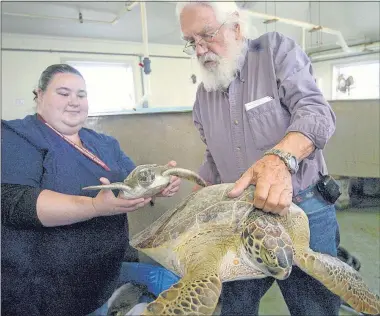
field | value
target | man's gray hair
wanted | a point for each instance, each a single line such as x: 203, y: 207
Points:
x: 224, y: 11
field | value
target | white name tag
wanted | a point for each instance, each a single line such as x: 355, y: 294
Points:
x: 257, y: 102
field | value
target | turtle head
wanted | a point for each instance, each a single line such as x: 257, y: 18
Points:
x: 146, y: 177
x: 268, y: 246
x: 277, y: 260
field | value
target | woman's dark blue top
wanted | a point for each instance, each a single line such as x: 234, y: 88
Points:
x: 65, y: 270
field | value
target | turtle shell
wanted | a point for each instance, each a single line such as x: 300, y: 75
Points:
x: 201, y: 210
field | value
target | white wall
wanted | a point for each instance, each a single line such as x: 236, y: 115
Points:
x: 171, y: 85
x: 323, y: 71
x: 354, y: 149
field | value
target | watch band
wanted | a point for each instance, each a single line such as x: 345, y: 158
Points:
x: 284, y: 156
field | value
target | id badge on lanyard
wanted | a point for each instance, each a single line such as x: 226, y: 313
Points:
x: 84, y: 151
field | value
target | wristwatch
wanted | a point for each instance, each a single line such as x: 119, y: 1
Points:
x: 289, y: 160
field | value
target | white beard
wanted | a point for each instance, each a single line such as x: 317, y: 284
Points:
x: 220, y: 75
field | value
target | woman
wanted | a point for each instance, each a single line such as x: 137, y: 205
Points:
x: 62, y: 247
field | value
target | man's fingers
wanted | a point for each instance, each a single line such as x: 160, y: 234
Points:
x: 261, y: 194
x: 285, y: 202
x: 284, y: 211
x: 285, y: 199
x: 272, y: 201
x: 241, y: 184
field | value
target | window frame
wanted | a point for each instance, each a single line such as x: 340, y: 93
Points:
x: 128, y: 62
x: 337, y: 65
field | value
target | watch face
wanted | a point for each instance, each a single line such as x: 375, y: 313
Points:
x: 293, y: 163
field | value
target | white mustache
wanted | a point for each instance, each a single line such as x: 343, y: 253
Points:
x: 208, y: 57
x: 223, y: 72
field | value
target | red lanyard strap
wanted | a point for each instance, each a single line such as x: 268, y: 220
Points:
x: 83, y: 150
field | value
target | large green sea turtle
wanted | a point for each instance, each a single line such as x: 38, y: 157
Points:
x: 209, y: 239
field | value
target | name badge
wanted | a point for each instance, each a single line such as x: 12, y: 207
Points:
x: 255, y: 103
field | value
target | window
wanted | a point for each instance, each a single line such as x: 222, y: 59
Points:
x: 356, y: 81
x: 110, y: 86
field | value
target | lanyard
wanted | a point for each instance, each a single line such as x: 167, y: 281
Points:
x: 83, y: 150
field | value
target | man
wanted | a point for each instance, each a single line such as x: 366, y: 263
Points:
x: 264, y: 122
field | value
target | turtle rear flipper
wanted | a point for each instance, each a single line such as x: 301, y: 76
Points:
x: 341, y: 279
x: 195, y: 294
x: 185, y: 174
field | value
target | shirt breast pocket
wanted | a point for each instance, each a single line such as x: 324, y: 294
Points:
x: 268, y: 121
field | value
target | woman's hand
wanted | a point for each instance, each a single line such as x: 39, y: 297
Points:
x: 106, y: 204
x: 174, y: 185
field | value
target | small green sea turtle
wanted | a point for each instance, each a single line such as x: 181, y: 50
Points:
x: 148, y: 180
x: 210, y: 238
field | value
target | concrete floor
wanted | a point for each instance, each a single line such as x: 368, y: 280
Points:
x: 360, y: 235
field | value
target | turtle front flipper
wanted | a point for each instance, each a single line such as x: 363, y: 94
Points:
x: 341, y: 279
x: 185, y: 174
x: 127, y: 191
x: 267, y: 244
x: 194, y: 294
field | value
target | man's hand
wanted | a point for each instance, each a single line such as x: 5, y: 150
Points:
x: 274, y: 190
x: 273, y: 182
x: 174, y: 185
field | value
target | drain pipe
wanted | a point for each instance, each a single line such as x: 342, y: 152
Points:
x: 131, y: 5
x: 355, y: 50
x: 303, y: 39
x: 305, y: 25
x: 146, y: 61
x: 67, y: 51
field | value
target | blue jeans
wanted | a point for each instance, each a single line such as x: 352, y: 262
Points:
x: 303, y: 294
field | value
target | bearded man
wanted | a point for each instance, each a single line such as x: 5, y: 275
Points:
x: 264, y: 122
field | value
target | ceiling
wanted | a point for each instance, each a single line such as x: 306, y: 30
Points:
x: 358, y: 21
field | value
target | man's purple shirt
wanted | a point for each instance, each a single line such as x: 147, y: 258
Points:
x: 277, y: 75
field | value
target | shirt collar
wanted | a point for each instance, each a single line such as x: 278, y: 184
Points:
x: 242, y: 57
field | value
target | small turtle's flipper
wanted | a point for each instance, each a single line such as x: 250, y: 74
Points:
x: 186, y: 174
x: 195, y: 294
x: 341, y: 279
x: 112, y: 186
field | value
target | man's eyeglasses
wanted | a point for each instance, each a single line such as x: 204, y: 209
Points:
x: 191, y: 45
